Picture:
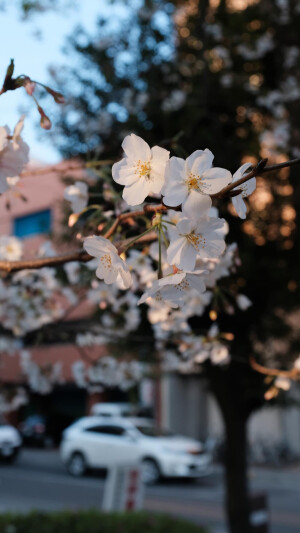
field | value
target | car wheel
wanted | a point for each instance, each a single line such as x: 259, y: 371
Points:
x: 76, y: 465
x: 150, y: 472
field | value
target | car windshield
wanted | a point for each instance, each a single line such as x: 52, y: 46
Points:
x: 152, y: 431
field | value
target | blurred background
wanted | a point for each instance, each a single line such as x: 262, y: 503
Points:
x: 222, y: 74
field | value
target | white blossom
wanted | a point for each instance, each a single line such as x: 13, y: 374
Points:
x: 243, y: 302
x: 110, y: 267
x: 11, y: 248
x: 196, y: 234
x: 141, y: 171
x: 13, y: 156
x: 193, y: 174
x: 173, y: 289
x: 247, y: 188
x: 78, y: 195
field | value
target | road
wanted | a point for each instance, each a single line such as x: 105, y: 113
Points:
x: 38, y: 481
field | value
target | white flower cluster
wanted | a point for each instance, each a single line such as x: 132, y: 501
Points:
x: 13, y: 156
x: 40, y: 379
x: 190, y: 236
x: 108, y: 372
x: 30, y: 298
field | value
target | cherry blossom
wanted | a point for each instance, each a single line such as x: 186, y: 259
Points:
x: 247, y: 188
x: 77, y: 194
x: 13, y: 156
x: 196, y: 234
x: 110, y: 267
x: 11, y: 248
x: 141, y: 171
x: 172, y: 289
x: 193, y: 174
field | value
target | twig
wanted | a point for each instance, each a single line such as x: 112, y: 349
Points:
x: 260, y: 168
x: 292, y: 374
x: 15, y: 266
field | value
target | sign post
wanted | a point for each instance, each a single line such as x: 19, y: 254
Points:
x: 123, y: 489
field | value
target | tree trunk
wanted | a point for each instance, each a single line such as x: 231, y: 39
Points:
x: 235, y: 416
x: 237, y: 496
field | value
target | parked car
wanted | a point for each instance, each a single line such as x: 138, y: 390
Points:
x: 98, y: 442
x: 34, y: 432
x: 111, y: 409
x: 10, y: 441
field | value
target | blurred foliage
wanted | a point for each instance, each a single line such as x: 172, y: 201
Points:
x: 28, y: 8
x: 94, y: 522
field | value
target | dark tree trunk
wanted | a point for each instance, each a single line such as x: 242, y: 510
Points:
x: 235, y: 416
x: 237, y: 496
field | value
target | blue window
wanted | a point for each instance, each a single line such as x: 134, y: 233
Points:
x: 33, y: 224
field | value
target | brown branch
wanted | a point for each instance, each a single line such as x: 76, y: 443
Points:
x: 132, y: 214
x: 276, y: 372
x: 15, y: 266
x: 259, y: 169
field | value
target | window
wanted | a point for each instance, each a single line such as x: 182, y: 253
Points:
x: 107, y: 430
x: 33, y: 224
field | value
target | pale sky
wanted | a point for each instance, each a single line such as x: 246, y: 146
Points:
x: 32, y: 57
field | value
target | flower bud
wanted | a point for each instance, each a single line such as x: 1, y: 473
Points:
x: 45, y: 121
x: 29, y: 86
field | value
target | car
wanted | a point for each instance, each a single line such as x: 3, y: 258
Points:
x: 94, y: 442
x: 34, y: 432
x: 111, y: 409
x: 10, y: 441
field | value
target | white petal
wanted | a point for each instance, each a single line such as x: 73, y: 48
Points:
x: 213, y: 248
x: 96, y: 246
x: 126, y: 278
x: 4, y: 132
x: 215, y: 179
x: 124, y: 173
x: 175, y: 249
x: 197, y: 205
x: 160, y: 156
x: 196, y: 282
x: 240, y: 206
x: 175, y: 174
x: 136, y: 148
x: 176, y: 194
x: 188, y: 258
x: 241, y: 171
x: 200, y: 161
x: 184, y: 226
x: 109, y: 275
x: 137, y: 192
x: 248, y: 187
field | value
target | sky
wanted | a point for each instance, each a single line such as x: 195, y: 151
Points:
x: 32, y: 57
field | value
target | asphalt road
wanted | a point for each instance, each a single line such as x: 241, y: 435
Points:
x: 38, y: 481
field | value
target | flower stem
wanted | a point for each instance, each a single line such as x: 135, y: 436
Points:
x: 139, y: 236
x: 159, y: 274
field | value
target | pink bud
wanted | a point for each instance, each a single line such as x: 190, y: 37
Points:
x: 29, y: 86
x: 59, y: 98
x: 45, y: 121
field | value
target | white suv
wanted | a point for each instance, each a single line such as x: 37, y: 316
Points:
x: 96, y: 442
x: 10, y: 441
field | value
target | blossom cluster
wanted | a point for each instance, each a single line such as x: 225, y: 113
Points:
x: 176, y: 275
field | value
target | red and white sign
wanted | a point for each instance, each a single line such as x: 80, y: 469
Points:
x: 123, y: 489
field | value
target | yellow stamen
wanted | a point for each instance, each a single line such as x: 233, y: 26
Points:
x: 143, y: 169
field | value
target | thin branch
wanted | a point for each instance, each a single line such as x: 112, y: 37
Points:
x: 14, y: 266
x: 259, y: 169
x: 83, y: 257
x: 276, y: 372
